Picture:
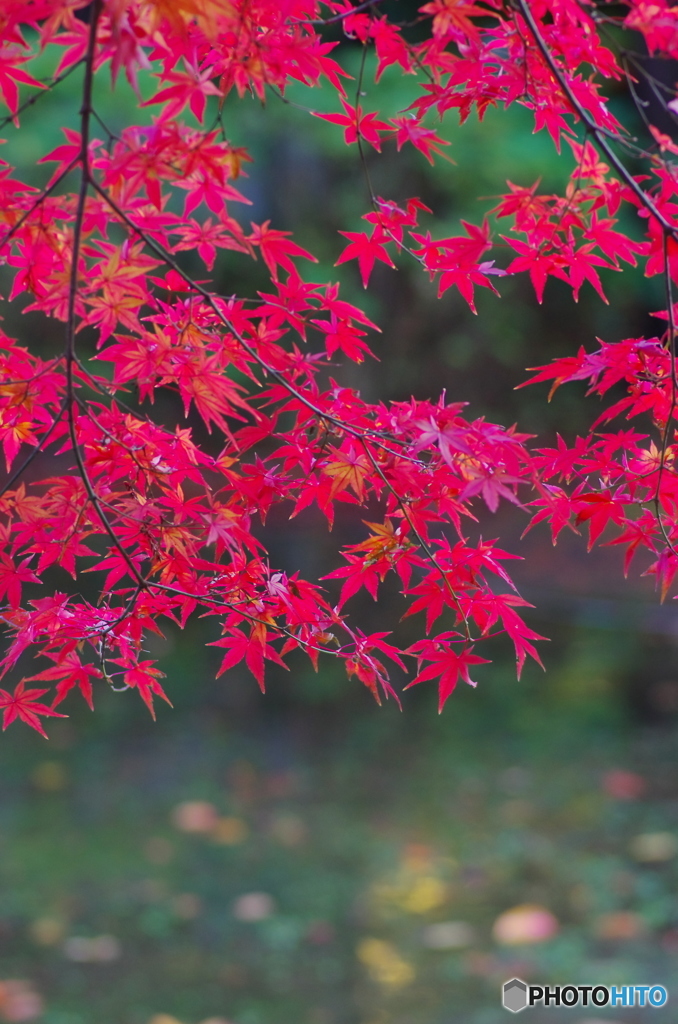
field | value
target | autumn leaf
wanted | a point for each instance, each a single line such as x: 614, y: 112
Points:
x: 128, y: 360
x: 349, y: 469
x: 24, y: 705
x: 358, y: 125
x: 365, y: 249
x: 69, y: 672
x: 448, y: 664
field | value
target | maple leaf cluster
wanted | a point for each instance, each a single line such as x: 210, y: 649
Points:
x: 170, y: 527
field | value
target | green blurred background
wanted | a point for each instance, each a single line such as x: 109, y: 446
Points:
x: 306, y: 857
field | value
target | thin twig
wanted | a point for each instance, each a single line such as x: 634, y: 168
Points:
x: 34, y: 451
x: 211, y: 301
x: 11, y: 118
x: 599, y: 134
x: 38, y: 202
x: 422, y: 541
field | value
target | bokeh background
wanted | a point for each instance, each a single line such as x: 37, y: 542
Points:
x: 306, y: 857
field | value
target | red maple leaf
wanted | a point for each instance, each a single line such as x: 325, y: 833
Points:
x: 664, y: 571
x: 358, y: 125
x: 365, y: 250
x: 253, y: 648
x: 451, y: 18
x: 599, y: 508
x: 69, y: 672
x: 642, y: 531
x: 190, y: 87
x: 12, y: 576
x: 144, y: 676
x: 11, y: 73
x: 408, y: 129
x: 447, y: 662
x: 539, y: 263
x: 24, y: 705
x: 277, y: 249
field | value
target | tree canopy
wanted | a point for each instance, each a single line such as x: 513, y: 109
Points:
x: 105, y: 240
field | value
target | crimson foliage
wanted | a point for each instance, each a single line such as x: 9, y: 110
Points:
x: 170, y: 528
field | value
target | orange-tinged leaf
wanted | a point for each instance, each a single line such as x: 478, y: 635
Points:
x: 349, y: 469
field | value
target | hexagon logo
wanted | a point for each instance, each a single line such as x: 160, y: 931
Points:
x: 514, y: 995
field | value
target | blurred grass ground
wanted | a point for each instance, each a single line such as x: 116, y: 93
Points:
x: 265, y: 861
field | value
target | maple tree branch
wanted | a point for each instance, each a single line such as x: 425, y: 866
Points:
x: 430, y: 554
x: 85, y: 180
x: 359, y: 135
x: 111, y: 135
x: 627, y: 56
x: 87, y: 263
x: 116, y: 440
x: 144, y: 584
x: 251, y: 351
x: 569, y: 203
x: 10, y: 118
x: 104, y: 387
x: 671, y: 345
x: 148, y: 585
x: 38, y: 202
x: 599, y: 134
x: 668, y: 231
x: 36, y: 376
x: 34, y: 451
x: 343, y: 14
x: 214, y: 604
x: 361, y: 436
x: 86, y: 112
x: 638, y: 103
x: 83, y: 159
